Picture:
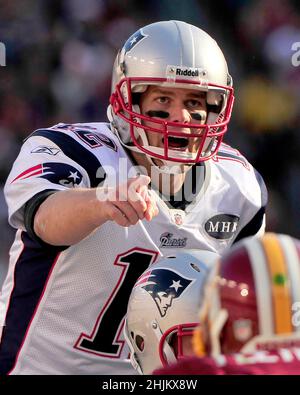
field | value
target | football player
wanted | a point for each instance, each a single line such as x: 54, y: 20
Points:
x: 88, y: 223
x: 249, y: 316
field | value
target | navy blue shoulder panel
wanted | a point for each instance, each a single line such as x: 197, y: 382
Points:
x: 263, y: 188
x: 76, y: 152
x: 30, y: 278
x: 253, y: 226
x: 255, y: 223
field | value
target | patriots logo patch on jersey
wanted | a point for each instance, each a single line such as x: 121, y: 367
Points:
x: 164, y: 285
x: 167, y: 240
x: 57, y: 173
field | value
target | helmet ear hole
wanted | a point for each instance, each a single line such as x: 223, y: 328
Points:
x: 139, y: 341
x: 136, y: 97
x: 195, y: 267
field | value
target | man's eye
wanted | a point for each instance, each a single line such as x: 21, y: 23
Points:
x: 162, y: 100
x: 194, y: 103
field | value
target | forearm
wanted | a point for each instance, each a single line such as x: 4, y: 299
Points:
x: 66, y: 217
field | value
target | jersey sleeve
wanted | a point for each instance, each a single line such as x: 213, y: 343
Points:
x: 48, y: 160
x: 247, y: 193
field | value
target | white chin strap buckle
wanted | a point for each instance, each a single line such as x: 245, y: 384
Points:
x: 169, y: 167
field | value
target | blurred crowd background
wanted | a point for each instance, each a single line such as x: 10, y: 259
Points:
x: 59, y: 57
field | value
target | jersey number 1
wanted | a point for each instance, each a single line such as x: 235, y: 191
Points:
x: 105, y: 338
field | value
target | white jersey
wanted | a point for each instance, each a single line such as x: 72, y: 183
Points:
x: 62, y: 309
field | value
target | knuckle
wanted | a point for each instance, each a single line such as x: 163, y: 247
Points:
x: 140, y: 205
x: 134, y: 220
x: 114, y: 215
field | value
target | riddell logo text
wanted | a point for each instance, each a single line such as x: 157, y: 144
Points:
x: 188, y: 72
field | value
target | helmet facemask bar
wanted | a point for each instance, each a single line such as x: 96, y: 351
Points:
x: 209, y: 136
x: 179, y: 331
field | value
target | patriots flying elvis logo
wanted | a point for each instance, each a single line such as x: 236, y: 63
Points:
x: 57, y: 173
x: 164, y: 285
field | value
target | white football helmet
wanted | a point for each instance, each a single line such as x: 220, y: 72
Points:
x: 165, y: 302
x: 178, y: 55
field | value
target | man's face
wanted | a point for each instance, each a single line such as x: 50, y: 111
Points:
x: 164, y: 301
x: 174, y: 105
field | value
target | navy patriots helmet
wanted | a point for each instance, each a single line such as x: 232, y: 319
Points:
x: 163, y: 309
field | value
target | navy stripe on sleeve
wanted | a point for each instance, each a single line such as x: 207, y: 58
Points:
x: 256, y: 222
x: 253, y: 226
x: 263, y: 188
x: 31, y: 273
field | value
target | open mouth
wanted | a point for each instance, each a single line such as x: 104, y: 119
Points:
x: 177, y: 143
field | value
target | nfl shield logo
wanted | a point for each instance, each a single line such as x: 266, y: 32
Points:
x: 178, y: 217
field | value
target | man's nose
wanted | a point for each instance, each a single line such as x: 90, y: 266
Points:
x: 180, y: 114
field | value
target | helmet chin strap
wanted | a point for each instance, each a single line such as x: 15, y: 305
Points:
x: 169, y: 167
